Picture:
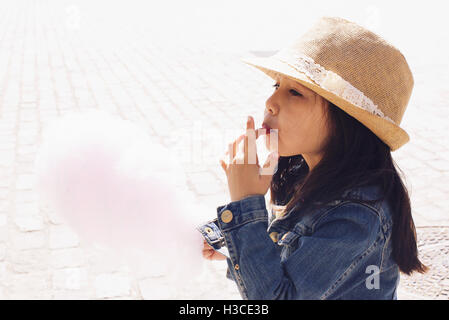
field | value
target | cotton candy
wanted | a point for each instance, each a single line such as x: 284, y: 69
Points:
x: 115, y: 186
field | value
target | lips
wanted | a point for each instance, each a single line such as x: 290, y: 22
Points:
x: 267, y: 127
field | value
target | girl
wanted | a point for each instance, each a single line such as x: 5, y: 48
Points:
x: 341, y: 224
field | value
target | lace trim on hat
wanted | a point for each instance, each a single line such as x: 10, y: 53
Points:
x: 332, y: 82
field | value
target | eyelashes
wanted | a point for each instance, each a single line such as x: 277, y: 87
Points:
x: 293, y: 92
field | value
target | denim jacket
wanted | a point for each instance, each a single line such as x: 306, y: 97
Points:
x: 340, y: 251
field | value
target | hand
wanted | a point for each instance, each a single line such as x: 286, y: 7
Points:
x: 245, y: 176
x: 210, y: 254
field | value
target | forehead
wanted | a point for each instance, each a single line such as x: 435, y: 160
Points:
x: 282, y: 78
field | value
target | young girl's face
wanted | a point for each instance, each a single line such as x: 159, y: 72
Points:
x: 299, y: 114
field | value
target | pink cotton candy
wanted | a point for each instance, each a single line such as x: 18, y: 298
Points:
x: 116, y: 186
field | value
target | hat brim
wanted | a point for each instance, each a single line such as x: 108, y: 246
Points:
x: 393, y: 135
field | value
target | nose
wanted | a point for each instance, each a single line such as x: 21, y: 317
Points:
x: 271, y: 106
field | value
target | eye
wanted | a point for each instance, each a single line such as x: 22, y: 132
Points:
x: 293, y: 92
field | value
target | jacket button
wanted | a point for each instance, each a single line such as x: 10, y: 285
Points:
x: 226, y: 216
x: 274, y: 236
x: 236, y: 267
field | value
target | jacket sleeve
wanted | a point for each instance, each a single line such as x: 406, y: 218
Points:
x: 318, y: 265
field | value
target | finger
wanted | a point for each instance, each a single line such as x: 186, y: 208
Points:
x: 250, y: 123
x: 207, y: 254
x: 213, y: 255
x: 223, y: 165
x: 250, y: 143
x: 261, y: 132
x: 207, y: 249
x: 249, y: 129
x: 234, y: 147
x: 218, y: 256
x: 245, y: 149
x: 239, y: 140
x: 250, y: 148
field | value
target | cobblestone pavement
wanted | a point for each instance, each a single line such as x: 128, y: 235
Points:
x: 433, y: 245
x: 146, y: 66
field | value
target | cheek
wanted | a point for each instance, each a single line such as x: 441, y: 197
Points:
x: 300, y: 129
x: 306, y: 135
x: 303, y: 129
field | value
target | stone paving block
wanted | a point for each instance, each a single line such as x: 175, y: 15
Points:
x: 27, y: 138
x: 104, y: 260
x: 433, y: 212
x: 403, y: 294
x: 112, y: 285
x: 48, y: 117
x: 204, y: 183
x: 213, y: 201
x: 29, y: 286
x: 28, y: 218
x: 51, y: 216
x: 7, y: 158
x: 70, y: 279
x: 62, y: 236
x: 25, y: 168
x: 29, y: 261
x: 3, y: 219
x: 4, y: 193
x: 74, y: 294
x: 214, y: 285
x: 441, y: 165
x: 27, y: 240
x: 2, y: 251
x: 25, y: 159
x: 7, y: 126
x: 26, y: 196
x: 25, y: 182
x: 25, y: 150
x: 156, y: 288
x: 67, y: 258
x: 3, y: 233
x: 3, y: 272
x: 27, y: 115
x: 6, y: 147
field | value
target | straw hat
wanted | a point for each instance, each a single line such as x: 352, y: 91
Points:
x: 353, y: 68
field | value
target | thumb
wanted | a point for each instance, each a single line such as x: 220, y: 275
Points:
x: 269, y: 167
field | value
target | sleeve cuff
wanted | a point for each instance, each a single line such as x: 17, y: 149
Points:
x: 237, y: 213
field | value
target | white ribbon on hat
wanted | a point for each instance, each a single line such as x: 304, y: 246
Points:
x: 330, y: 81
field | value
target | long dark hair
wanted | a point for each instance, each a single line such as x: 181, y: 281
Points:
x: 353, y: 156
